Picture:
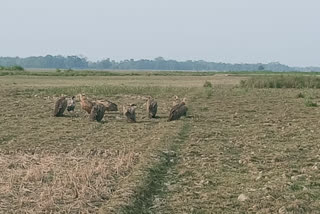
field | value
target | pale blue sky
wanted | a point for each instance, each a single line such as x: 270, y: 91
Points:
x: 235, y: 31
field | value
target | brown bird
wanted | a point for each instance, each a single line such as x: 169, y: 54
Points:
x: 71, y: 104
x: 97, y: 112
x: 129, y: 112
x: 178, y: 111
x: 85, y: 103
x: 60, y: 107
x: 152, y: 107
x: 110, y: 106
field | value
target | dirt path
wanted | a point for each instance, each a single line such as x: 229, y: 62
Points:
x: 138, y: 192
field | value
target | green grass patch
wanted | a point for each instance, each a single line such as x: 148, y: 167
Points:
x: 281, y: 81
x: 70, y: 72
x: 11, y: 68
x: 109, y: 90
x: 309, y: 103
x: 63, y: 73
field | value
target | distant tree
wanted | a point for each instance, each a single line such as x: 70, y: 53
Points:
x: 159, y: 63
x: 104, y: 64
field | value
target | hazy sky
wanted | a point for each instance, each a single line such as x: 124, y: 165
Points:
x: 235, y: 31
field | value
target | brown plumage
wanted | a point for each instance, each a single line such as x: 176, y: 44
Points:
x: 110, y: 106
x: 178, y: 111
x: 130, y: 112
x: 97, y: 112
x: 86, y: 104
x: 60, y: 107
x: 71, y: 104
x: 152, y: 107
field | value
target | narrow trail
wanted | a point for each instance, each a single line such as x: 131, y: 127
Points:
x: 153, y: 181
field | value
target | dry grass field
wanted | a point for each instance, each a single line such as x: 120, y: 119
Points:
x: 239, y: 150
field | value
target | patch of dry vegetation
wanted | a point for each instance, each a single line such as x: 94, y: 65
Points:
x: 78, y: 180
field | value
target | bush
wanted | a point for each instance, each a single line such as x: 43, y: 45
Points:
x: 207, y: 84
x: 17, y: 68
x: 281, y: 81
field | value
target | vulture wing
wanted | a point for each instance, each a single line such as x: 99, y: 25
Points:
x: 178, y: 111
x: 110, y: 106
x: 153, y: 108
x: 97, y: 112
x: 60, y: 106
x: 131, y: 114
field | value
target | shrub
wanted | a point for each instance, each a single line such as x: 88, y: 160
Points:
x: 207, y: 84
x: 17, y: 68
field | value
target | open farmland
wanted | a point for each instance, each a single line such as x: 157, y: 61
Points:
x: 239, y: 150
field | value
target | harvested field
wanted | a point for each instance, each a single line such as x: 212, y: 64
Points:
x: 239, y: 150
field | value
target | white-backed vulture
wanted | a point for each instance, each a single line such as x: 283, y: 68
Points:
x: 97, y: 112
x: 178, y: 111
x: 71, y: 104
x: 176, y: 100
x: 86, y: 104
x: 110, y: 106
x: 152, y: 107
x: 60, y: 107
x: 130, y: 112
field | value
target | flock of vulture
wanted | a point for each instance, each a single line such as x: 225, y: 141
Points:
x: 96, y: 109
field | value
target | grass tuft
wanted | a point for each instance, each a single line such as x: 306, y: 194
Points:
x: 207, y: 84
x: 309, y: 103
x: 300, y: 95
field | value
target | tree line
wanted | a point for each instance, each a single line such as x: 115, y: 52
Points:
x: 159, y: 63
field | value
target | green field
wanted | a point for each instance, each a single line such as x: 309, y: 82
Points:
x: 241, y: 148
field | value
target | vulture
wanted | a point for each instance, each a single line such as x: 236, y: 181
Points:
x: 97, y: 112
x: 176, y: 100
x: 110, y: 106
x: 152, y: 107
x: 85, y: 103
x: 178, y: 111
x: 60, y: 106
x: 130, y: 113
x: 71, y: 104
